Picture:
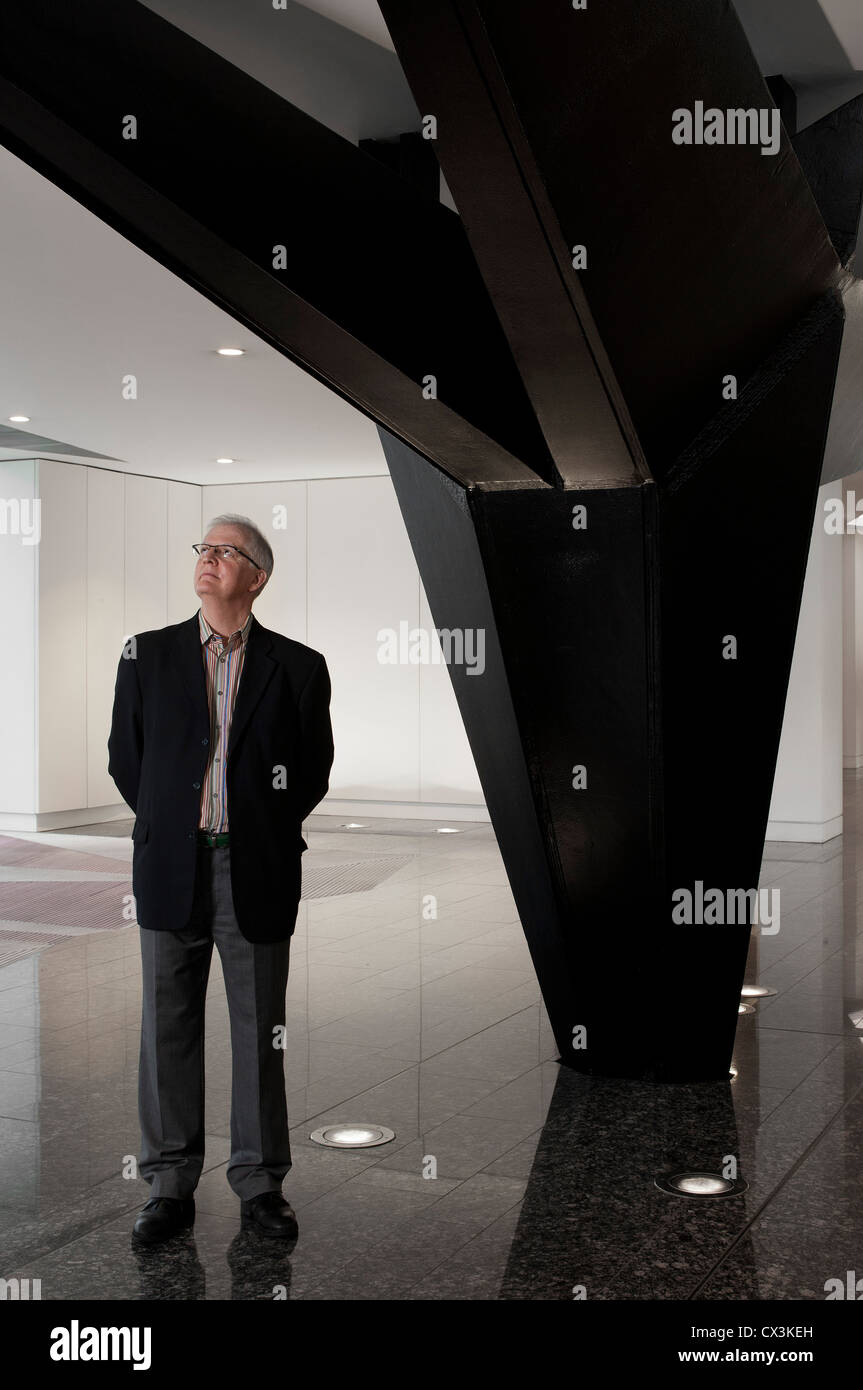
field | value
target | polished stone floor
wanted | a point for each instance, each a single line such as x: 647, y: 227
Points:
x: 433, y: 1026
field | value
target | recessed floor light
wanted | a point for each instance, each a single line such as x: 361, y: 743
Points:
x: 700, y: 1184
x: 231, y: 352
x: 346, y: 1136
x: 756, y: 991
x: 20, y: 419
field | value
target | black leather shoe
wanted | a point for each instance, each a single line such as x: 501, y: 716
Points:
x: 164, y: 1217
x: 270, y: 1215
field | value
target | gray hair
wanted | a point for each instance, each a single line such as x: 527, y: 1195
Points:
x: 256, y: 542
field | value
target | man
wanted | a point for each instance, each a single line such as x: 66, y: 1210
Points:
x: 221, y: 743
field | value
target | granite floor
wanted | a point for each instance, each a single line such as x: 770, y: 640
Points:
x: 433, y: 1025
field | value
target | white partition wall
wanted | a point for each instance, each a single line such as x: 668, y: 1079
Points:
x: 184, y: 530
x: 807, y: 789
x: 145, y: 569
x: 852, y: 560
x: 105, y: 619
x: 363, y: 579
x: 448, y: 774
x: 19, y: 684
x: 62, y: 698
x: 114, y: 558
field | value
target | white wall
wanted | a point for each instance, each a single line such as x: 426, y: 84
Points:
x: 19, y: 683
x: 853, y: 639
x: 807, y: 789
x: 114, y: 558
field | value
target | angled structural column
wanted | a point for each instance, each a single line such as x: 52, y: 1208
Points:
x: 644, y: 660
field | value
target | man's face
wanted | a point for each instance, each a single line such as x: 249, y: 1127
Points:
x: 230, y: 581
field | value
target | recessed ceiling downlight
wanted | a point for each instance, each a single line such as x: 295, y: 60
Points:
x: 352, y: 1136
x: 226, y: 460
x: 756, y: 991
x: 20, y: 419
x: 231, y: 352
x: 746, y: 1008
x: 700, y: 1184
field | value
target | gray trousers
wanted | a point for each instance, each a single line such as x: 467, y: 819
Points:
x: 176, y: 966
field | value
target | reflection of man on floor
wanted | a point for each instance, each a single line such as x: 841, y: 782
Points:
x: 221, y: 743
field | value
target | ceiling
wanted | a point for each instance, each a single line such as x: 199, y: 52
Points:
x: 82, y: 307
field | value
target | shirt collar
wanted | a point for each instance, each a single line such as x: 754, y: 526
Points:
x: 207, y: 632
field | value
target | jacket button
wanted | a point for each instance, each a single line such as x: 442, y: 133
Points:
x: 196, y: 785
x: 191, y: 835
x: 205, y: 740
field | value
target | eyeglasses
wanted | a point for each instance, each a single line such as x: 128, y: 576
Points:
x: 223, y: 552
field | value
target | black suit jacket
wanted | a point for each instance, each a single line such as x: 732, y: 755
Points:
x: 158, y: 752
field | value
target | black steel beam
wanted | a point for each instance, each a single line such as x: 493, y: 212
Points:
x: 831, y: 153
x: 555, y: 131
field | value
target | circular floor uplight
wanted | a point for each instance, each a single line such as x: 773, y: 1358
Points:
x: 700, y: 1184
x: 352, y: 1136
x: 756, y: 991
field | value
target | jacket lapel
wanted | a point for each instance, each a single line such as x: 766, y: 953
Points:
x: 188, y: 661
x: 258, y: 668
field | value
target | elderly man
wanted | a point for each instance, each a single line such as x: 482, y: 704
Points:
x: 221, y: 743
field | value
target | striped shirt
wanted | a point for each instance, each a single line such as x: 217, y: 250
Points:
x: 223, y: 666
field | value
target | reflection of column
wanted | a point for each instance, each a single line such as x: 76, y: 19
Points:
x: 852, y: 548
x: 807, y: 788
x: 593, y: 1224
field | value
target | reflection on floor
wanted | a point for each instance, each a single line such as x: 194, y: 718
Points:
x: 412, y: 1002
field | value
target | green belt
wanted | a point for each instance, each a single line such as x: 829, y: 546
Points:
x: 213, y: 839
